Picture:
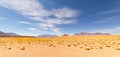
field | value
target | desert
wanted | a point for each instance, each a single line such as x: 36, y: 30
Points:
x: 62, y: 46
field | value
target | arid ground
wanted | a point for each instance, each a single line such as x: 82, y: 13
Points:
x: 64, y: 46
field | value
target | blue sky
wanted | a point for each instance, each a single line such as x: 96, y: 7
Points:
x: 34, y: 17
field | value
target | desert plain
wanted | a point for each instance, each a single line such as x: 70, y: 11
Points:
x: 62, y: 46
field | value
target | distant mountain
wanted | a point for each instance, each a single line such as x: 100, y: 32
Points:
x: 65, y: 35
x: 3, y: 34
x: 47, y: 35
x: 84, y: 33
x: 12, y: 34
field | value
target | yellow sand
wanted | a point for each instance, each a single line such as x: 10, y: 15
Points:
x: 64, y: 46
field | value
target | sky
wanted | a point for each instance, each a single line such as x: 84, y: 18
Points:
x: 35, y: 17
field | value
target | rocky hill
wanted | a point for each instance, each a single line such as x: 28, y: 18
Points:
x: 47, y: 35
x: 84, y: 33
x: 3, y: 34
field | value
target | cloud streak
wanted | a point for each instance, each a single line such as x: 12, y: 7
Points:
x: 32, y: 29
x: 109, y: 12
x: 109, y: 30
x: 24, y: 22
x: 35, y: 11
x: 2, y: 18
x: 107, y: 19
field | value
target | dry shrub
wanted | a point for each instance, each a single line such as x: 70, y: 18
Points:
x: 51, y: 45
x: 108, y: 45
x: 118, y: 48
x: 101, y: 47
x: 9, y: 48
x: 81, y: 47
x: 69, y: 45
x: 87, y: 48
x: 23, y: 48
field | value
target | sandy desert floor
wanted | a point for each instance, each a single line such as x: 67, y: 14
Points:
x: 60, y: 47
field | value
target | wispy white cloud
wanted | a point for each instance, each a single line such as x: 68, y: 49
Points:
x: 32, y: 29
x: 35, y: 11
x: 107, y: 19
x: 24, y: 22
x: 2, y: 18
x: 65, y: 12
x: 109, y: 12
x: 109, y: 30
